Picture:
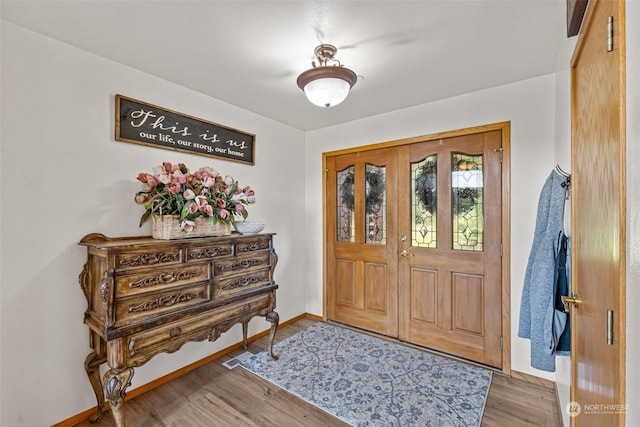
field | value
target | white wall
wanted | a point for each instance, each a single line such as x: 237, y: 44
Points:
x: 529, y: 105
x: 63, y: 175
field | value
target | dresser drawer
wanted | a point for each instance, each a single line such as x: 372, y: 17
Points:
x: 147, y: 257
x: 209, y: 251
x: 208, y: 325
x: 146, y: 306
x: 161, y: 279
x: 237, y: 284
x: 242, y: 264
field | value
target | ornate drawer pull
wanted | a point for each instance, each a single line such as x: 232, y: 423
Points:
x: 163, y: 301
x: 241, y: 283
x: 149, y: 259
x: 253, y: 246
x: 247, y: 263
x: 163, y: 278
x: 175, y: 332
x: 210, y: 253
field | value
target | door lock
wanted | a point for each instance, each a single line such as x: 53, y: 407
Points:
x: 404, y: 253
x: 566, y: 300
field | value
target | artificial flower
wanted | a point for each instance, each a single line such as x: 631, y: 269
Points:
x: 172, y: 190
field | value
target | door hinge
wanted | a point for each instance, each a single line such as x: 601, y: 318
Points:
x: 610, y: 34
x: 501, y: 343
x: 499, y: 150
x: 609, y: 327
x: 500, y: 247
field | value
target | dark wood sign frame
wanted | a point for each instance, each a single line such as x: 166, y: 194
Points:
x: 575, y: 15
x: 147, y: 124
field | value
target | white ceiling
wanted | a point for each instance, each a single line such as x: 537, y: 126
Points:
x: 249, y: 53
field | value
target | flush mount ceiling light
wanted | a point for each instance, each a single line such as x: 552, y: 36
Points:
x: 328, y: 82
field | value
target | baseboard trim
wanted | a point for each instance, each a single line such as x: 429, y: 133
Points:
x: 84, y: 416
x: 314, y: 317
x: 534, y: 380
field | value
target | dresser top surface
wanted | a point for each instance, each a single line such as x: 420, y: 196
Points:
x: 101, y: 241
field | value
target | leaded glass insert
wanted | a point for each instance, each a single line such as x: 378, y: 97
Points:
x: 424, y: 203
x: 467, y: 202
x: 376, y: 201
x: 346, y: 205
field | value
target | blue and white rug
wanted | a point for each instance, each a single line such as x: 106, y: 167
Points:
x: 367, y: 381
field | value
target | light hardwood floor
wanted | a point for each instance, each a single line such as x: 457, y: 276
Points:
x: 213, y: 395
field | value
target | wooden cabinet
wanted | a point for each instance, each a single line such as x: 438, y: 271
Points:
x: 147, y: 296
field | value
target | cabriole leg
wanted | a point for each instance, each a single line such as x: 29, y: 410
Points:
x: 274, y: 318
x: 92, y: 367
x: 245, y: 327
x: 116, y: 382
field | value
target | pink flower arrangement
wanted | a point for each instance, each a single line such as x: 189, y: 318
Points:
x: 172, y: 190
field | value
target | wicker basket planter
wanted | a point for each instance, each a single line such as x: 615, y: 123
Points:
x: 167, y: 227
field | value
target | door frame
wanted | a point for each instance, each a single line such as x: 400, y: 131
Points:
x: 505, y: 129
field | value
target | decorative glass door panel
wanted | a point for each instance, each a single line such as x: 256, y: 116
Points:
x: 424, y: 203
x: 346, y: 196
x: 375, y: 204
x: 467, y: 202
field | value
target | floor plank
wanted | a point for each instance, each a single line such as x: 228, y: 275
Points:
x: 213, y: 396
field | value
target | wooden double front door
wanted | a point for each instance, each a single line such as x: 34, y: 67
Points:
x: 414, y: 242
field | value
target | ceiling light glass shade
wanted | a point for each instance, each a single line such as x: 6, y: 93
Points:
x: 326, y: 85
x: 327, y: 92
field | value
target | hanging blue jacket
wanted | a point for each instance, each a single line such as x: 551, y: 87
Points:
x: 538, y: 290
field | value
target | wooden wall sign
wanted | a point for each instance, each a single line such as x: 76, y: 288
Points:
x: 147, y: 124
x: 575, y: 14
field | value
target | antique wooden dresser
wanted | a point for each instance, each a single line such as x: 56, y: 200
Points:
x: 147, y: 296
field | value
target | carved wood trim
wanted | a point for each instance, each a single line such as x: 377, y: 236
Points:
x: 163, y: 301
x: 85, y: 281
x: 149, y: 259
x: 164, y: 278
x: 94, y: 238
x: 253, y: 246
x: 210, y: 252
x: 242, y: 264
x: 106, y: 298
x: 242, y: 282
x: 274, y: 260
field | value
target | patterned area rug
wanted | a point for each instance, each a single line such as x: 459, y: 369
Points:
x: 367, y: 381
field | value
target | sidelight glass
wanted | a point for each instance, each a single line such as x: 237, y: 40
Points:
x: 375, y: 204
x: 467, y: 202
x: 424, y: 202
x: 345, y: 215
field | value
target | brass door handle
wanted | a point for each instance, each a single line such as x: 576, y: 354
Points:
x: 566, y: 300
x: 404, y: 253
